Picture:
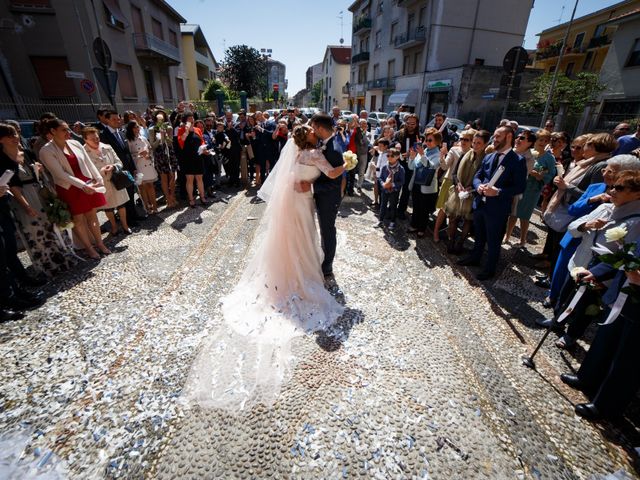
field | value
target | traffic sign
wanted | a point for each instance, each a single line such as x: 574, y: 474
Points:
x: 102, y: 52
x: 276, y: 87
x: 488, y: 96
x: 72, y: 74
x: 515, y: 60
x: 87, y: 85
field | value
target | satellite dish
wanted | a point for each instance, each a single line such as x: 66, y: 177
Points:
x: 341, y: 41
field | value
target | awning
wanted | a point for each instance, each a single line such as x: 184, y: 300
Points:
x: 404, y: 97
x: 116, y: 13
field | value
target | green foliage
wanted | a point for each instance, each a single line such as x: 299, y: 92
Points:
x: 209, y: 93
x: 577, y: 92
x: 56, y: 210
x: 316, y: 93
x: 244, y: 69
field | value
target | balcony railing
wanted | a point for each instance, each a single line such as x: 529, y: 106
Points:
x: 600, y: 41
x: 149, y: 45
x: 410, y: 39
x: 381, y: 83
x: 362, y: 25
x: 360, y: 57
x: 407, y: 3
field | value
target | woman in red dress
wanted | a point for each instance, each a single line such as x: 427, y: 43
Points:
x: 78, y: 184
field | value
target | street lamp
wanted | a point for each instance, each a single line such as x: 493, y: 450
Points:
x: 266, y: 54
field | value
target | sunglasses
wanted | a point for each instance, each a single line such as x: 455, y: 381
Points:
x: 430, y: 140
x: 576, y: 147
x: 465, y: 139
x: 554, y: 140
x: 522, y: 137
x: 619, y: 188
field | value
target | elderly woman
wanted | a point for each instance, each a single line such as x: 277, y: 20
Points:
x: 78, y: 184
x: 624, y: 210
x: 541, y: 170
x: 449, y: 165
x: 460, y: 200
x: 424, y: 194
x: 105, y: 159
x: 161, y: 140
x: 47, y: 251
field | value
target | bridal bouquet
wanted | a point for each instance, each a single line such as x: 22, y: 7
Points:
x: 351, y: 159
x: 56, y: 210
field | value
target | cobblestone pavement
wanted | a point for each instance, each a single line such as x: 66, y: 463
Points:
x: 426, y: 382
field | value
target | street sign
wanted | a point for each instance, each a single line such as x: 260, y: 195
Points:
x: 276, y: 87
x: 102, y: 52
x: 488, y: 96
x: 87, y: 85
x: 72, y: 74
x: 107, y: 84
x: 515, y: 59
x: 494, y: 90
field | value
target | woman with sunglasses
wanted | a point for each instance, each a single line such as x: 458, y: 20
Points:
x: 541, y: 171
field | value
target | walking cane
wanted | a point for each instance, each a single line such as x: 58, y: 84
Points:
x: 528, y: 361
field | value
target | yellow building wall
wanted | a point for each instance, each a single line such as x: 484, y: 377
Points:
x: 189, y: 67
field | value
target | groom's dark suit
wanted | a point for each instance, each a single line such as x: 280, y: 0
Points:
x: 326, y: 193
x: 491, y: 213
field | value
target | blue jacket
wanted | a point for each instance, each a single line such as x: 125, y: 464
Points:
x: 580, y: 208
x: 512, y: 182
x: 398, y: 178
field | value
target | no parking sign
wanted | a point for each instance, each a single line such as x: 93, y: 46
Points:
x: 87, y: 85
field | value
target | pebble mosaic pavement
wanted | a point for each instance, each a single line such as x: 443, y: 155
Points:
x: 421, y: 379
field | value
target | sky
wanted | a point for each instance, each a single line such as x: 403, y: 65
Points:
x: 298, y: 31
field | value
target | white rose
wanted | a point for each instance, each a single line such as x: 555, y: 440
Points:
x: 616, y: 234
x: 577, y: 271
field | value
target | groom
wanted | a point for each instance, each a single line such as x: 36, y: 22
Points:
x: 326, y: 191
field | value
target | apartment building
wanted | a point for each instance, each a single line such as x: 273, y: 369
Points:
x: 51, y: 50
x: 587, y: 44
x: 198, y: 63
x: 335, y: 77
x: 433, y: 55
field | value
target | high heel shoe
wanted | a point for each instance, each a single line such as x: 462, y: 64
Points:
x: 192, y: 204
x: 104, y: 250
x: 204, y: 202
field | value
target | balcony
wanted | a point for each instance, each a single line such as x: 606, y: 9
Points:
x: 147, y: 45
x: 360, y: 58
x: 410, y: 39
x: 597, y: 42
x: 202, y: 59
x: 381, y: 83
x: 362, y: 25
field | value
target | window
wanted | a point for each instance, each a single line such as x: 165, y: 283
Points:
x: 588, y: 61
x: 50, y: 74
x: 113, y: 15
x: 378, y: 41
x: 599, y: 31
x: 552, y: 68
x: 577, y: 43
x: 125, y: 81
x: 391, y: 69
x: 329, y: 82
x: 392, y: 37
x: 381, y: 6
x: 634, y: 56
x: 421, y: 18
x: 416, y: 61
x: 166, y: 86
x: 405, y: 65
x: 410, y: 20
x: 180, y: 89
x: 569, y: 71
x: 156, y: 28
x: 376, y: 71
x: 136, y: 16
x: 173, y: 38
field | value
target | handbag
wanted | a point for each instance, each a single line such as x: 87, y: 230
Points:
x: 121, y: 178
x: 559, y: 219
x: 423, y: 175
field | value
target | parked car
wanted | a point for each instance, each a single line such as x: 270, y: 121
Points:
x: 375, y: 118
x: 527, y: 127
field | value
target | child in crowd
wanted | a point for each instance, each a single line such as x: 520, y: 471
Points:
x: 391, y: 181
x: 221, y: 144
x: 380, y: 161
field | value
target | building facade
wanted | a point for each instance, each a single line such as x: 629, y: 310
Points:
x: 314, y: 75
x: 620, y: 72
x: 52, y: 52
x: 198, y: 63
x: 587, y: 44
x: 276, y: 75
x: 421, y: 53
x: 335, y: 77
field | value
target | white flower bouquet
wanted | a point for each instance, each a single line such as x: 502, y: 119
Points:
x: 351, y: 159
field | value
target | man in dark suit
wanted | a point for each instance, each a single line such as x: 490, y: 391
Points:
x: 326, y: 191
x: 492, y: 204
x: 112, y: 135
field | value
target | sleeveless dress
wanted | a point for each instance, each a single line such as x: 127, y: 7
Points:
x: 280, y: 296
x: 78, y: 201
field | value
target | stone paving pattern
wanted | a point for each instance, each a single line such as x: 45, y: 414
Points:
x: 424, y: 381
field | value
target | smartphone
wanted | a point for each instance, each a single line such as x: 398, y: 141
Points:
x: 6, y: 177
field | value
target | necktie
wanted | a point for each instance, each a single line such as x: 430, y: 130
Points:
x: 119, y: 137
x: 494, y: 166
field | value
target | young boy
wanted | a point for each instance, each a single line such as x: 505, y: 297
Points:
x: 380, y: 161
x: 391, y: 179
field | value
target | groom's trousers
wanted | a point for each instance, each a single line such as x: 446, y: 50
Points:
x: 327, y: 205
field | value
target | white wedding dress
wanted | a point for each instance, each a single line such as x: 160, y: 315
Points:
x: 279, y: 297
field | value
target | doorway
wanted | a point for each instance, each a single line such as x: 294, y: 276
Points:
x: 148, y: 81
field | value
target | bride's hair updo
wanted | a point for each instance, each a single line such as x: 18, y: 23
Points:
x: 300, y: 136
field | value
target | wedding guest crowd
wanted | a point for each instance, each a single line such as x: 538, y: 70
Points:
x: 435, y: 181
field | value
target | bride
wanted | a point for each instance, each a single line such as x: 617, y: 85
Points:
x: 280, y: 295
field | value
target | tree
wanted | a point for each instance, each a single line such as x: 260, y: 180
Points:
x: 316, y: 93
x: 577, y: 92
x: 244, y: 69
x: 209, y: 93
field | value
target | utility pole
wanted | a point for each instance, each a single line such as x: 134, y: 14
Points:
x: 555, y: 73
